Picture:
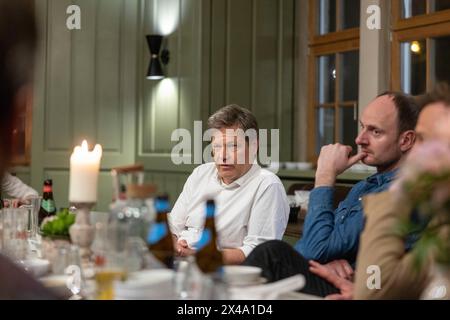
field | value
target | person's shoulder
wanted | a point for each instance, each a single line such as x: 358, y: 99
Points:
x: 384, y: 204
x: 204, y: 169
x: 268, y: 178
x: 377, y: 199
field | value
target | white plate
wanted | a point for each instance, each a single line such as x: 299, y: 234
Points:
x: 37, y: 267
x: 149, y: 284
x: 55, y: 281
x: 58, y: 284
x: 241, y: 274
x: 260, y: 280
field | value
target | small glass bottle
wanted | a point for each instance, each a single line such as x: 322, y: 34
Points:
x: 159, y: 240
x: 48, y: 203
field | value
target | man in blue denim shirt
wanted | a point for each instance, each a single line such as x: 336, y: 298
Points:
x: 332, y: 236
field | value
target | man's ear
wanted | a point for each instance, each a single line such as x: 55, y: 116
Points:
x: 407, y: 140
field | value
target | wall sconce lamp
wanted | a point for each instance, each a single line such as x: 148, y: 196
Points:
x: 155, y: 70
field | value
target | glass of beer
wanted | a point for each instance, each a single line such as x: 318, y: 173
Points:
x: 111, y: 261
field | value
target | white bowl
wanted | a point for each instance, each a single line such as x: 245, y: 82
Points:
x: 37, y: 267
x: 57, y: 284
x: 304, y: 166
x: 274, y: 167
x: 361, y: 167
x: 242, y: 274
x: 291, y: 165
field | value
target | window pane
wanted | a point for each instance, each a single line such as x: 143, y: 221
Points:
x: 350, y: 13
x: 349, y: 76
x: 441, y: 63
x: 414, y: 67
x: 326, y: 16
x: 325, y: 127
x: 326, y: 77
x: 348, y: 126
x: 439, y: 5
x: 411, y: 8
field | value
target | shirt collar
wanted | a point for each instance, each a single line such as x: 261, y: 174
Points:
x: 242, y: 180
x: 383, y: 178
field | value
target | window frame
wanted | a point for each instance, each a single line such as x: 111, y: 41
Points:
x: 336, y: 43
x: 421, y: 27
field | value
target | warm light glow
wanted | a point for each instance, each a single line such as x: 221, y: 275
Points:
x: 415, y: 47
x: 167, y: 89
x: 82, y: 153
x: 167, y: 16
x: 155, y: 77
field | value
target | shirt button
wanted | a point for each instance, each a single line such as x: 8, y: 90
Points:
x: 360, y: 199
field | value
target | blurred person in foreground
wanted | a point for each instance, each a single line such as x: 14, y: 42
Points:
x: 17, y: 48
x: 381, y: 244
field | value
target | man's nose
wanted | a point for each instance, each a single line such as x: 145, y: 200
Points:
x: 361, y: 139
x: 225, y: 154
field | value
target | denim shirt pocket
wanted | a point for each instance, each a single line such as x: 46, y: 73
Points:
x: 348, y: 225
x: 346, y: 212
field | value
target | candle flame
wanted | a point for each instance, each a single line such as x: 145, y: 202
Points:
x: 84, y: 146
x: 83, y: 152
x: 98, y: 150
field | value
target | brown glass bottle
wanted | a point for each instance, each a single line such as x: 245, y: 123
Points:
x: 159, y: 239
x: 209, y: 258
x: 48, y: 203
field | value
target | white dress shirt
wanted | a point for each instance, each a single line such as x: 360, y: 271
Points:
x: 249, y: 211
x: 14, y: 187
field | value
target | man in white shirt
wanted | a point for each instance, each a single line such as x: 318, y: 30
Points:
x: 251, y: 202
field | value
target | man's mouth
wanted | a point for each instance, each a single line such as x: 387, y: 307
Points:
x: 226, y: 166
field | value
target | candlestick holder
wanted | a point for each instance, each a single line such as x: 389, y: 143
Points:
x: 82, y: 232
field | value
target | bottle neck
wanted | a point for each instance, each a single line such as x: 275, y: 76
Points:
x: 161, y: 216
x: 48, y: 189
x: 210, y: 224
x: 47, y: 195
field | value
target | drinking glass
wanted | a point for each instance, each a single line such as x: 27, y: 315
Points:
x: 33, y: 205
x: 15, y: 225
x: 74, y: 269
x: 112, y: 266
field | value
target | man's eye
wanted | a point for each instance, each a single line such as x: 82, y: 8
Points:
x: 376, y: 132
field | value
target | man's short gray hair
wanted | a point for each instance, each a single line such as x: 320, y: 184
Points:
x: 233, y: 115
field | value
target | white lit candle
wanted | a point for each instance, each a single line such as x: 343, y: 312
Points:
x: 84, y: 169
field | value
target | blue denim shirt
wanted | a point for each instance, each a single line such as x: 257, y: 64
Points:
x: 330, y: 234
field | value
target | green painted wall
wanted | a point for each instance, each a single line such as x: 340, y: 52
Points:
x: 222, y: 52
x: 85, y: 89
